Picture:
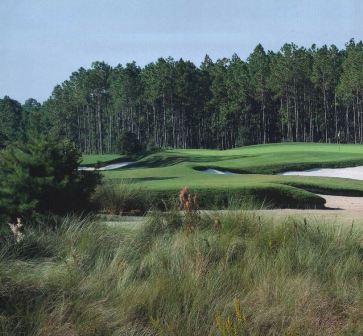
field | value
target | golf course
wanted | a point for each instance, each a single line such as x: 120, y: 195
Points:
x: 252, y: 171
x: 181, y: 168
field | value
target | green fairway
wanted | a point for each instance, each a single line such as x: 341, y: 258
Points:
x: 99, y: 158
x: 169, y: 170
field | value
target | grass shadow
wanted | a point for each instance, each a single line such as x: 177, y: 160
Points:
x: 162, y: 161
x: 142, y: 179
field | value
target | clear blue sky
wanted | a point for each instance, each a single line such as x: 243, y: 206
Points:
x: 43, y: 41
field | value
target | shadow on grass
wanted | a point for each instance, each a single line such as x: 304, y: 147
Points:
x: 162, y: 161
x: 142, y: 179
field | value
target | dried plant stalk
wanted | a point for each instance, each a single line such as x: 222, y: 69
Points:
x: 16, y: 229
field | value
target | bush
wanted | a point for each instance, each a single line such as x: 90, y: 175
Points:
x: 3, y: 140
x: 41, y: 177
x: 129, y: 144
x: 152, y: 146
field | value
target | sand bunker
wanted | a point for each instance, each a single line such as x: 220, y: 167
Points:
x: 87, y: 168
x: 218, y: 172
x: 108, y: 167
x: 355, y: 173
x: 116, y: 165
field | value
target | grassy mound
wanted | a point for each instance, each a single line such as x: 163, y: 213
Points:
x: 129, y: 198
x: 169, y: 170
x: 265, y: 194
x: 243, y: 276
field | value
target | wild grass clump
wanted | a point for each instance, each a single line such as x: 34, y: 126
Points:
x: 244, y: 276
x: 122, y: 197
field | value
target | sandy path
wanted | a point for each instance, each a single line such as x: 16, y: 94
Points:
x: 341, y: 210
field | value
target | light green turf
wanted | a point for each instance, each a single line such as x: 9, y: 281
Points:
x: 173, y: 169
x: 89, y: 159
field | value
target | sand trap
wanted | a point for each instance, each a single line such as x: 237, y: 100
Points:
x: 218, y: 172
x: 108, y: 167
x: 355, y: 173
x: 344, y: 202
x: 87, y: 168
x: 116, y: 165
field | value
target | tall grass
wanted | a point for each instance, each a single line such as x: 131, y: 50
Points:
x: 122, y: 197
x: 244, y: 277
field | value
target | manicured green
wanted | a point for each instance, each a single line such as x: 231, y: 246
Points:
x: 169, y: 170
x: 245, y: 276
x: 89, y: 159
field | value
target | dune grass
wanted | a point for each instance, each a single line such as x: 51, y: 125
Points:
x: 169, y: 170
x: 121, y: 198
x: 126, y: 197
x: 242, y: 277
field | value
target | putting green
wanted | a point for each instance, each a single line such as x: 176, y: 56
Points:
x: 170, y: 170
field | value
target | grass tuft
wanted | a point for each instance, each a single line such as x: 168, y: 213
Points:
x: 121, y: 198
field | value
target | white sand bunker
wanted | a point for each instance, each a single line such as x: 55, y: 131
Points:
x: 219, y: 172
x: 108, y: 167
x: 355, y: 173
x: 116, y: 166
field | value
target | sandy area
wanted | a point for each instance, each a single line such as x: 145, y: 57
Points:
x: 115, y: 166
x: 344, y: 203
x: 218, y: 172
x: 108, y: 167
x: 355, y: 173
x: 340, y: 210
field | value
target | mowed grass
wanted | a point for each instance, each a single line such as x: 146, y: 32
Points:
x: 246, y: 276
x: 90, y: 159
x: 169, y: 170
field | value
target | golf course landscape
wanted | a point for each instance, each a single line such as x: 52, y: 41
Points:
x: 181, y: 168
x: 237, y: 268
x: 255, y: 169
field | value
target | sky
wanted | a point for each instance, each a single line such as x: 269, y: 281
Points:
x: 44, y: 41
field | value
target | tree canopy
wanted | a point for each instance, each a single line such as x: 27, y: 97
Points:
x: 294, y: 94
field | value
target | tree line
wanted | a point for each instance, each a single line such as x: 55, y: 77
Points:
x: 294, y: 94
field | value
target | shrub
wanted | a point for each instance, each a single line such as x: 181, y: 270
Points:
x: 129, y: 144
x: 152, y: 146
x: 41, y: 177
x: 3, y: 140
